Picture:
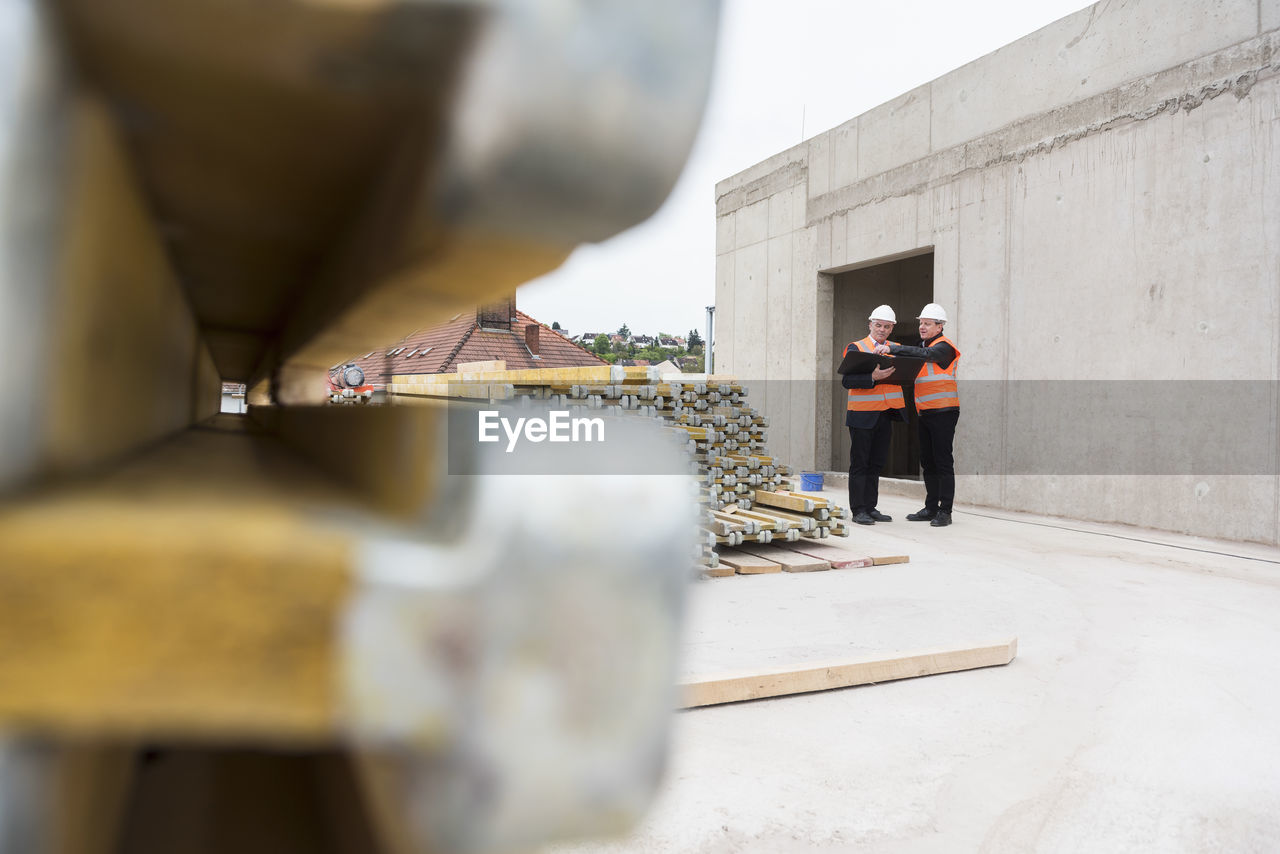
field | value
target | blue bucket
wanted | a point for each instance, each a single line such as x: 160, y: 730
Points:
x: 810, y: 481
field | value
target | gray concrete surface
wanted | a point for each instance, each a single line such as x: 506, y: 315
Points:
x: 1099, y: 200
x: 1139, y: 715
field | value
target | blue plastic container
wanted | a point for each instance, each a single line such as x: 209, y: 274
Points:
x: 810, y: 481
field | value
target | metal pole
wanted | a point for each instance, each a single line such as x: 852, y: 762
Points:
x: 708, y: 358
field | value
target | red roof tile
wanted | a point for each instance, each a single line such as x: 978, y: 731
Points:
x: 440, y: 349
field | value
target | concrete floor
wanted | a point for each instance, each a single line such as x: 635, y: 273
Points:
x: 1139, y: 715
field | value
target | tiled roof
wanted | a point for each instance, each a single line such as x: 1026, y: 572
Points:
x: 440, y: 349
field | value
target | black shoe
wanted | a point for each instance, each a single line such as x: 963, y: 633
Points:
x: 862, y: 517
x: 878, y: 516
x: 924, y: 514
x: 942, y: 520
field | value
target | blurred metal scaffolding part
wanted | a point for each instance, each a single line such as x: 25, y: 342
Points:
x: 293, y: 630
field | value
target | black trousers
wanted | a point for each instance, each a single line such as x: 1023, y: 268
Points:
x: 937, y: 431
x: 868, y: 451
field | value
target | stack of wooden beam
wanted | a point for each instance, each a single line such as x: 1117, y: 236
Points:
x: 746, y: 485
x: 779, y: 515
x: 743, y: 488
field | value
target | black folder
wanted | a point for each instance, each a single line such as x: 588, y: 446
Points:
x: 905, y: 368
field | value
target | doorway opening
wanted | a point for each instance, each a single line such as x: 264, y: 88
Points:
x: 905, y: 284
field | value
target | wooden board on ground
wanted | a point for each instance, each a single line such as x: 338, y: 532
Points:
x: 748, y: 564
x: 838, y: 558
x: 792, y: 561
x: 888, y: 559
x: 720, y: 571
x: 777, y: 683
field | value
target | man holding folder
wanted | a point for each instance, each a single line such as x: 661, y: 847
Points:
x: 937, y: 402
x: 873, y: 405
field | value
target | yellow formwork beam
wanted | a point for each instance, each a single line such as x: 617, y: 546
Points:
x: 187, y: 595
x: 200, y: 591
x: 467, y: 391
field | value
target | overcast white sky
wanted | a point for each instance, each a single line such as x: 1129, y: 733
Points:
x: 820, y: 62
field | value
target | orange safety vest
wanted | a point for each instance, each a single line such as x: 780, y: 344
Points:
x: 878, y: 398
x: 935, y: 387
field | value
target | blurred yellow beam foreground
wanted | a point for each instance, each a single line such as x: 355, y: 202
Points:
x: 197, y: 591
x: 203, y: 616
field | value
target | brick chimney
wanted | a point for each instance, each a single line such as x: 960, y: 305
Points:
x: 531, y: 334
x: 497, y: 315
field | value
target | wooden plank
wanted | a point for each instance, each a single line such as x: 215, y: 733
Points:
x: 838, y: 558
x: 747, y: 564
x: 720, y: 571
x: 791, y: 561
x: 817, y: 500
x: 884, y: 561
x: 724, y: 524
x: 786, y: 502
x: 778, y: 683
x: 454, y: 389
x: 807, y: 523
x: 774, y: 523
x: 490, y: 365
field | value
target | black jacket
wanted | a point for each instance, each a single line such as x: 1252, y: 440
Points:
x: 942, y: 355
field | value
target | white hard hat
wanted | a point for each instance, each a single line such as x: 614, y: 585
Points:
x: 883, y: 312
x: 933, y: 311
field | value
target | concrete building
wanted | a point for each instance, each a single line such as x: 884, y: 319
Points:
x: 1096, y: 202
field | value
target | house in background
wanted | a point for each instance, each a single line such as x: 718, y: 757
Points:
x: 493, y: 332
x: 667, y: 368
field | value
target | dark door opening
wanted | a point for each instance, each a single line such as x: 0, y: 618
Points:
x: 906, y: 284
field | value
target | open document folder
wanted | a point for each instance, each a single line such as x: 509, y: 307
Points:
x: 905, y: 368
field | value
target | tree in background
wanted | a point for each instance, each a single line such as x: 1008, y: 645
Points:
x: 695, y: 340
x: 624, y: 331
x: 555, y: 324
x: 601, y: 345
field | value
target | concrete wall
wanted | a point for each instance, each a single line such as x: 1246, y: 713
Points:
x: 1102, y: 199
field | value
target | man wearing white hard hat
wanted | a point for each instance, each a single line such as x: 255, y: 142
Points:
x: 938, y: 405
x: 872, y: 408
